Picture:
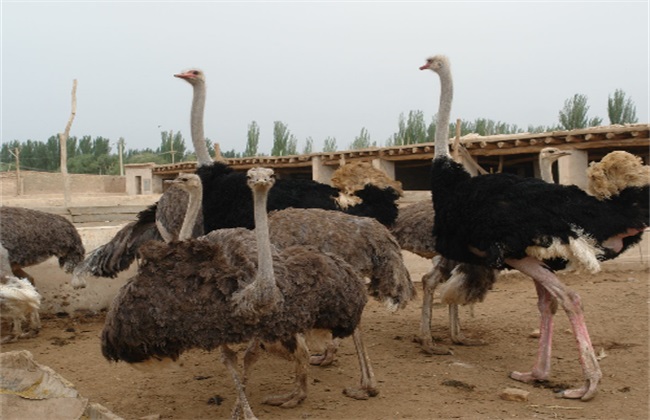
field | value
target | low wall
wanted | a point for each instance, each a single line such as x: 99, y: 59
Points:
x: 52, y: 183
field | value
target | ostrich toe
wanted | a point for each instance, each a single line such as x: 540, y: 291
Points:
x: 289, y: 400
x: 360, y: 393
x: 428, y: 347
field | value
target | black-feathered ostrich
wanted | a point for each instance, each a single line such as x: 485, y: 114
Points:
x: 505, y: 221
x: 225, y: 289
x: 32, y: 236
x: 413, y: 228
x: 226, y: 201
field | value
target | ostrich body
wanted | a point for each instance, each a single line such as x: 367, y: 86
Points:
x: 227, y: 203
x: 362, y: 242
x: 413, y: 228
x: 189, y: 294
x: 19, y: 302
x: 32, y: 236
x: 505, y: 221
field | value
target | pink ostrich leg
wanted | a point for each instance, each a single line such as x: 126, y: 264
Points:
x: 554, y: 289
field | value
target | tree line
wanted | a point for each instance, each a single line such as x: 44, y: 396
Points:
x: 87, y: 155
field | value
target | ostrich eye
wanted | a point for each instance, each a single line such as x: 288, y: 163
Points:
x: 195, y: 72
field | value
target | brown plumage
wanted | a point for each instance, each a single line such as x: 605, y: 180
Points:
x: 362, y: 242
x: 188, y: 294
x: 32, y: 236
x: 354, y: 176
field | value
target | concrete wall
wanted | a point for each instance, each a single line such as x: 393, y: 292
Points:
x: 139, y: 179
x: 52, y: 183
x: 54, y: 284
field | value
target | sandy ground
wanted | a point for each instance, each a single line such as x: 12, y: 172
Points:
x: 413, y: 385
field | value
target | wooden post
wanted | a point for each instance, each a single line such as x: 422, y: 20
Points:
x: 456, y: 141
x: 120, y: 148
x: 63, y: 141
x: 171, y: 144
x: 19, y: 182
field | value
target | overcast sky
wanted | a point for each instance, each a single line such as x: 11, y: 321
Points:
x: 323, y: 69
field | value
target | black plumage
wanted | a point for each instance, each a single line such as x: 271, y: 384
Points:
x: 505, y: 221
x: 501, y: 215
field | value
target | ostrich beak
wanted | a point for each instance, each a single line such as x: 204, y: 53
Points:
x: 424, y: 67
x: 187, y: 75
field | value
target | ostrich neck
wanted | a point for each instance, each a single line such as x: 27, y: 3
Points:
x: 545, y: 170
x: 441, y: 145
x: 196, y: 124
x: 264, y: 259
x: 191, y: 214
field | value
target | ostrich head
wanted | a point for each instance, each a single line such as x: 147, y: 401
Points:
x: 188, y: 182
x: 193, y: 76
x: 552, y: 154
x: 436, y: 63
x: 261, y: 178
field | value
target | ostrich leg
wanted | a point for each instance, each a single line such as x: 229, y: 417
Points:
x: 229, y: 359
x: 429, y: 283
x: 571, y: 304
x: 299, y: 393
x: 368, y: 386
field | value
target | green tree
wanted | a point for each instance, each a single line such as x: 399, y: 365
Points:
x: 284, y: 143
x: 172, y: 146
x: 309, y: 146
x: 621, y: 110
x: 362, y: 141
x: 329, y: 145
x: 253, y: 139
x: 574, y: 114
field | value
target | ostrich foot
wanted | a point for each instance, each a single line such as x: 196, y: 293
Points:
x: 584, y: 393
x: 468, y: 341
x: 527, y: 377
x: 360, y: 393
x: 290, y: 400
x: 29, y: 334
x: 428, y: 347
x: 322, y: 360
x: 328, y: 356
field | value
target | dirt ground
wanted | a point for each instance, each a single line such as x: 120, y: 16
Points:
x: 413, y: 385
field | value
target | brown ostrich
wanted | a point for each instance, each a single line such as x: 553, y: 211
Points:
x: 413, y: 228
x: 32, y: 236
x: 187, y: 294
x: 362, y: 242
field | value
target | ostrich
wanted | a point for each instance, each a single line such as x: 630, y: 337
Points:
x: 413, y: 228
x: 19, y: 302
x: 226, y: 202
x: 188, y: 294
x: 32, y: 236
x: 362, y: 242
x: 505, y: 221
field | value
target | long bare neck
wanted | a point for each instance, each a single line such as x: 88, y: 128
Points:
x: 196, y: 124
x: 545, y: 168
x: 191, y: 214
x: 441, y: 145
x: 265, y: 274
